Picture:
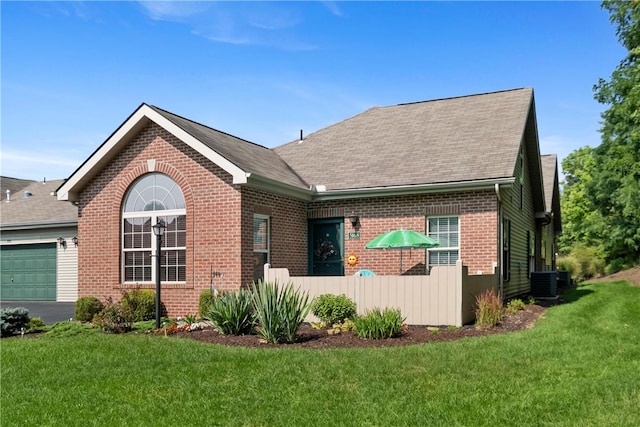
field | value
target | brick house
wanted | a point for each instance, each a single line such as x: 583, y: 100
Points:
x: 464, y: 170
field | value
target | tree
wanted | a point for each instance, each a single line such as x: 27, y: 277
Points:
x: 614, y: 190
x: 581, y: 222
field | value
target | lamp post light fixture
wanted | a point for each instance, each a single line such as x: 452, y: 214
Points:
x: 158, y: 230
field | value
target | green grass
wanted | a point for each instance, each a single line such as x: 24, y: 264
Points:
x: 580, y: 365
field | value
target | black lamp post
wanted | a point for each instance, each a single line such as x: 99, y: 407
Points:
x: 158, y: 230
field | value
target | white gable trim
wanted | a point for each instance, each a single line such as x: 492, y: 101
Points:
x: 133, y: 125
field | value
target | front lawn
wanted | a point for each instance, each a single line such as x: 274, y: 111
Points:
x: 580, y: 365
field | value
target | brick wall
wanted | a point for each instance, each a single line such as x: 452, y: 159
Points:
x: 288, y: 231
x: 478, y: 228
x: 213, y: 209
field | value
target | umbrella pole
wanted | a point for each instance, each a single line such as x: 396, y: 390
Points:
x: 401, y: 261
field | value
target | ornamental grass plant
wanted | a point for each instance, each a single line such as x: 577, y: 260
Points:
x: 377, y: 324
x: 489, y: 310
x: 232, y: 312
x: 280, y: 310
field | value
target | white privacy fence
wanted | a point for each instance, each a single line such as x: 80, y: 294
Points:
x: 444, y: 297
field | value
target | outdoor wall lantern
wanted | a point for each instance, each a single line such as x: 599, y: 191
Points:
x: 62, y: 242
x: 354, y: 219
x: 74, y: 239
x: 158, y: 230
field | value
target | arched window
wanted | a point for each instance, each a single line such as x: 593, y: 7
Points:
x: 152, y: 198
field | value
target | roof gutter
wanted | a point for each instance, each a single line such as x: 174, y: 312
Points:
x: 262, y: 183
x: 486, y: 184
x: 39, y: 224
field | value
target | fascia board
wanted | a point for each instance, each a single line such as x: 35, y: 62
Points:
x: 38, y: 225
x: 239, y: 176
x: 266, y: 184
x: 488, y: 184
x: 139, y: 119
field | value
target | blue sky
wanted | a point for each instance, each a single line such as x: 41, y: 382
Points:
x: 72, y: 72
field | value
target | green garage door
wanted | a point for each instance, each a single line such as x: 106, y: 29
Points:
x: 28, y: 272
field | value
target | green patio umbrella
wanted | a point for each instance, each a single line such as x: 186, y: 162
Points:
x: 402, y: 239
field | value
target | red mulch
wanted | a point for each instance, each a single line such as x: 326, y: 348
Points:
x: 314, y: 338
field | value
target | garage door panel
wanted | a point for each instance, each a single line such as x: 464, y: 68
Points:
x: 28, y: 272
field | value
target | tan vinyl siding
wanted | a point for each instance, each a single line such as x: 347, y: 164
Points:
x: 67, y: 269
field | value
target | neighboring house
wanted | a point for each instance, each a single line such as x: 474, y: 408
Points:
x: 464, y: 170
x: 552, y: 222
x: 38, y: 242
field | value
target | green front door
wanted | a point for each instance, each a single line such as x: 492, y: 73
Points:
x: 326, y: 247
x: 28, y: 272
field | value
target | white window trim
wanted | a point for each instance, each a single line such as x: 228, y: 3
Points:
x: 443, y: 248
x: 268, y: 250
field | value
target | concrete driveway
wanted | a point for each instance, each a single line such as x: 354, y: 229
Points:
x: 49, y: 311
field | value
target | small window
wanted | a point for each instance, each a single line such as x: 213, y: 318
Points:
x: 445, y: 230
x: 531, y: 243
x: 506, y: 250
x: 261, y: 245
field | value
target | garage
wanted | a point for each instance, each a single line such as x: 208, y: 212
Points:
x: 28, y: 272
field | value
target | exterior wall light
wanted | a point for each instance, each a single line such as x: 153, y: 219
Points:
x: 62, y: 242
x: 354, y: 219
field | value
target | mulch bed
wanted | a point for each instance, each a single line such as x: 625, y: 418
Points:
x: 309, y: 337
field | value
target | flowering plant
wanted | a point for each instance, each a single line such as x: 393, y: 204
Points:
x: 325, y: 249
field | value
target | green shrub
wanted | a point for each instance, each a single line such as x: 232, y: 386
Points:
x: 12, y: 320
x: 114, y: 318
x: 584, y: 262
x: 35, y: 324
x: 489, y: 309
x: 232, y: 313
x: 86, y: 308
x: 279, y: 310
x: 515, y: 305
x: 376, y: 324
x: 141, y: 303
x: 204, y: 303
x: 332, y: 309
x: 190, y: 319
x: 615, y: 265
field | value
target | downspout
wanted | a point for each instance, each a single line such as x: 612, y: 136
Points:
x: 500, y: 231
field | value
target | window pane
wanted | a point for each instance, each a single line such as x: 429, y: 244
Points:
x: 154, y: 192
x: 137, y: 266
x: 260, y: 234
x: 445, y: 231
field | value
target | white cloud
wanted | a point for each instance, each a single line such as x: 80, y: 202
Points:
x: 173, y: 10
x: 263, y: 24
x: 333, y: 8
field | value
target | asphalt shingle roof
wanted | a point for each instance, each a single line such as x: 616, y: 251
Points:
x: 448, y: 140
x: 41, y: 207
x: 250, y: 157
